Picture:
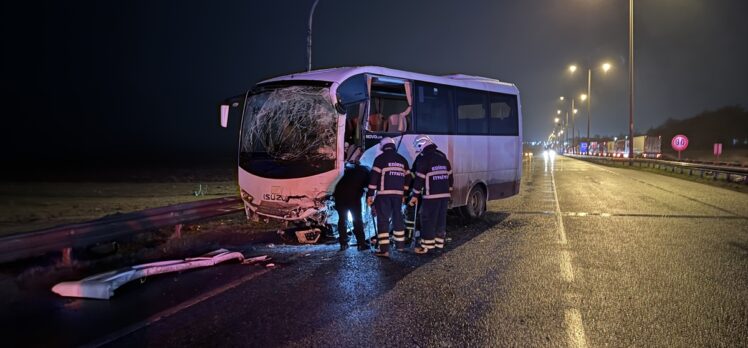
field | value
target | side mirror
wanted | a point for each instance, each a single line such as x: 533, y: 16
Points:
x: 224, y: 116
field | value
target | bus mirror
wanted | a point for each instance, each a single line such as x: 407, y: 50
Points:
x: 224, y: 116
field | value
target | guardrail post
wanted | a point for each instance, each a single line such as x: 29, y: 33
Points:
x: 177, y: 232
x: 67, y: 257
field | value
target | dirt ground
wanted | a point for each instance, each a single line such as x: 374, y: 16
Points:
x: 28, y: 206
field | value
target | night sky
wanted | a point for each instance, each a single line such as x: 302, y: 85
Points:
x: 140, y: 81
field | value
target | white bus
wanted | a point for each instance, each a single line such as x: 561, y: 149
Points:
x: 298, y: 131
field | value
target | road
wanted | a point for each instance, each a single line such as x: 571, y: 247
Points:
x: 585, y: 256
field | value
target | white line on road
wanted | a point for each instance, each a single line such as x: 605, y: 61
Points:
x: 572, y: 317
x: 559, y: 220
x: 566, y: 271
x: 575, y: 328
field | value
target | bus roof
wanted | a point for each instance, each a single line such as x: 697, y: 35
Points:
x: 341, y: 74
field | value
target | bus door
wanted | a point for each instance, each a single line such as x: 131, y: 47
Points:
x: 389, y: 111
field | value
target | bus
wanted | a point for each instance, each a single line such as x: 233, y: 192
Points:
x: 298, y: 131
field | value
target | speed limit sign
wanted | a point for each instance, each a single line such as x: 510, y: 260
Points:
x: 679, y: 143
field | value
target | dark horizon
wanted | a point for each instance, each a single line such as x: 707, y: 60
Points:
x: 142, y: 81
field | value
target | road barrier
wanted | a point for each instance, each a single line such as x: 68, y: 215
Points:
x: 716, y: 172
x: 23, y: 245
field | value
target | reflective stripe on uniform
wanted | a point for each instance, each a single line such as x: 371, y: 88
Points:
x: 383, y: 235
x: 377, y: 169
x: 422, y: 176
x: 390, y: 192
x: 372, y: 187
x: 440, y: 195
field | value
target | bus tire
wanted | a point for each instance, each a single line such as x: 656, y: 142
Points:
x: 476, y: 203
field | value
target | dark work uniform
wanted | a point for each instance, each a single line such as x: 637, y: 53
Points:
x: 348, y: 194
x: 434, y: 182
x: 388, y: 179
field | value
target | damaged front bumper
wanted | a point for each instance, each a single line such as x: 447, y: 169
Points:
x: 295, y: 209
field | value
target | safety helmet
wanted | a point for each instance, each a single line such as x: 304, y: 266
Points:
x: 420, y: 142
x: 386, y: 141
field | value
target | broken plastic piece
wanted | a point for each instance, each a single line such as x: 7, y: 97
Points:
x: 102, y: 286
x: 253, y: 260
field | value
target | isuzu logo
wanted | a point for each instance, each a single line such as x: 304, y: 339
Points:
x: 273, y: 197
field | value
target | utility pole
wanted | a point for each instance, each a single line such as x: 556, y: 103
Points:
x: 589, y: 100
x: 573, y: 125
x: 631, y: 78
x: 309, y: 38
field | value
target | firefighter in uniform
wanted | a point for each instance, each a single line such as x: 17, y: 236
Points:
x: 388, y: 180
x: 433, y: 181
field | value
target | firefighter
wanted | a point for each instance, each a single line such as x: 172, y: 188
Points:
x: 348, y: 193
x: 387, y: 179
x: 433, y: 182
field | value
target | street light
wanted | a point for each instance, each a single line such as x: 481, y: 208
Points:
x: 561, y: 98
x: 556, y: 119
x: 605, y: 67
x: 631, y: 75
x: 558, y: 112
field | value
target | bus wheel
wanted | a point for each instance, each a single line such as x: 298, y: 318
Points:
x: 476, y: 203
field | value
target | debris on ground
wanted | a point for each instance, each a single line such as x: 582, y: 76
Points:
x: 102, y: 286
x: 256, y: 259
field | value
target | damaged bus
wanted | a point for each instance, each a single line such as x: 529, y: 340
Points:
x: 298, y: 132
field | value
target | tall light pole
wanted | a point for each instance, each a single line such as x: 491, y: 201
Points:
x: 588, y: 97
x: 631, y: 78
x: 309, y: 38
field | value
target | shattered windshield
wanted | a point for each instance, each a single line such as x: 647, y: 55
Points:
x: 289, y: 132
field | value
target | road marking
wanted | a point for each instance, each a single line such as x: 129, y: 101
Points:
x: 559, y: 220
x: 566, y: 271
x: 574, y: 328
x: 572, y: 317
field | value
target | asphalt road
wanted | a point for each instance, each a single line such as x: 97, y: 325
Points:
x: 585, y: 256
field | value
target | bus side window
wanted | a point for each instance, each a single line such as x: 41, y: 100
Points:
x: 471, y: 112
x: 504, y: 115
x: 433, y: 108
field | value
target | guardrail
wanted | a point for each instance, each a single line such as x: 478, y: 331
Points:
x: 23, y: 245
x: 728, y: 173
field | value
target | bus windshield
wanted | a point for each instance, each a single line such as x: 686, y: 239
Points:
x: 289, y: 132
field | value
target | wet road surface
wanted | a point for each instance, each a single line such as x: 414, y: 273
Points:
x: 585, y: 256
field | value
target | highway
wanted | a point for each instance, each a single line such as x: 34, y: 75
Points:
x: 585, y: 256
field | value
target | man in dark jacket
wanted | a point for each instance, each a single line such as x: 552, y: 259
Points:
x: 348, y: 193
x: 387, y: 179
x: 433, y: 181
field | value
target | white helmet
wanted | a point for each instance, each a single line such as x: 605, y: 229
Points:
x: 386, y: 141
x: 420, y: 142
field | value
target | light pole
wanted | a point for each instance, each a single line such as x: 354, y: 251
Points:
x: 588, y: 97
x: 309, y: 38
x: 631, y: 77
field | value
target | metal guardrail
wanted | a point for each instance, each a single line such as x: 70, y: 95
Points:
x: 728, y: 173
x: 23, y: 245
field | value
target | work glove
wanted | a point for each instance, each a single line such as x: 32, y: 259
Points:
x: 369, y: 200
x: 413, y: 201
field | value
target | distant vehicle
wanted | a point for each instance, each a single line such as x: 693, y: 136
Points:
x: 610, y: 148
x: 648, y: 146
x: 621, y: 148
x: 298, y: 131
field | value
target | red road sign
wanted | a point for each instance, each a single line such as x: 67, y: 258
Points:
x: 717, y: 149
x: 679, y: 142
